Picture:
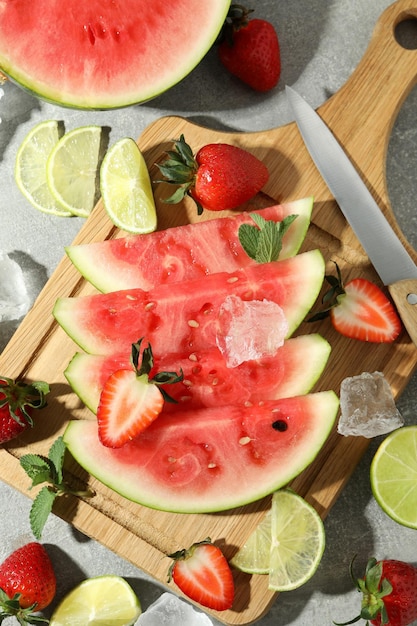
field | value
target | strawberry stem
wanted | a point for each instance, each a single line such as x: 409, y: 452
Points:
x: 143, y: 364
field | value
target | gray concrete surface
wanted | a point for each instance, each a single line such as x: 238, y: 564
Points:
x: 321, y: 43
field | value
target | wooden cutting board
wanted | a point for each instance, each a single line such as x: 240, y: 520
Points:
x: 361, y: 115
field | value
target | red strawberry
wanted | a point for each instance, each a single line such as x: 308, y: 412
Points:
x: 17, y: 402
x: 389, y: 593
x: 130, y: 400
x: 27, y: 582
x: 220, y: 176
x: 249, y: 49
x: 360, y: 310
x: 203, y: 574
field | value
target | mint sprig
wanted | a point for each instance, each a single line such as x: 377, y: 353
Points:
x: 47, y: 469
x: 262, y: 241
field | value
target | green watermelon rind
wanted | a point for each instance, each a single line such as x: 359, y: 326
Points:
x: 238, y: 490
x: 83, y: 370
x: 105, y: 272
x: 116, y: 92
x: 307, y: 274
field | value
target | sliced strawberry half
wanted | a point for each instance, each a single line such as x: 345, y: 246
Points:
x: 130, y: 400
x: 360, y: 310
x: 204, y: 575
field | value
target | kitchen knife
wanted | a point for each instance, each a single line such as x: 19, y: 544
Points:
x: 391, y: 260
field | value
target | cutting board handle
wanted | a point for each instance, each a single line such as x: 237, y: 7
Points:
x: 362, y: 113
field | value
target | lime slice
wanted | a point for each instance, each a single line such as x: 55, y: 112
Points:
x: 126, y: 188
x: 100, y: 601
x: 30, y: 167
x: 72, y: 170
x: 394, y: 476
x: 287, y: 544
x: 298, y: 541
x: 253, y: 556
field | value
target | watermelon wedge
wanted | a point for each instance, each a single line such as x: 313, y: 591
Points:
x: 207, y: 381
x: 210, y: 459
x: 180, y: 317
x: 183, y: 252
x: 104, y: 54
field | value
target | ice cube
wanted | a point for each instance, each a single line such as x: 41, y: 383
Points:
x: 14, y: 298
x: 169, y: 610
x: 249, y: 329
x: 367, y: 406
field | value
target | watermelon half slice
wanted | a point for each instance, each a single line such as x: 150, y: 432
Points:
x: 183, y: 252
x: 212, y: 459
x: 103, y: 54
x: 183, y: 317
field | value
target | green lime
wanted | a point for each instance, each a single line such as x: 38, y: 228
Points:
x: 101, y: 601
x: 30, y: 167
x: 72, y: 170
x: 394, y: 475
x: 126, y: 188
x: 298, y: 541
x: 287, y: 544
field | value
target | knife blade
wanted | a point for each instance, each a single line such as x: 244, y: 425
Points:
x: 386, y: 252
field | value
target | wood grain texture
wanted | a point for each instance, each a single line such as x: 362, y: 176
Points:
x: 361, y: 115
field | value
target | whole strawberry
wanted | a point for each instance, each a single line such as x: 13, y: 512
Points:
x: 18, y: 399
x: 27, y: 583
x: 249, y: 49
x: 219, y: 177
x: 389, y: 591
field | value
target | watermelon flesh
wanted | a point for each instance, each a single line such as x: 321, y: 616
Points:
x: 213, y: 459
x: 104, y: 54
x: 183, y: 252
x: 207, y: 381
x: 180, y: 317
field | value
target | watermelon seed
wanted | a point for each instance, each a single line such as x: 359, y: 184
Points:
x: 187, y: 383
x: 149, y: 306
x: 280, y: 425
x: 193, y: 323
x: 244, y: 441
x: 233, y: 279
x: 193, y: 357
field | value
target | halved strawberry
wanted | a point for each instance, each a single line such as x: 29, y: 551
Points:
x: 360, y: 310
x: 204, y: 575
x: 130, y: 400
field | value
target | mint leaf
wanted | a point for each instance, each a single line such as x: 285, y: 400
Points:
x: 41, y: 469
x: 40, y: 510
x: 56, y: 455
x: 38, y: 468
x: 263, y: 241
x: 249, y: 239
x: 270, y: 243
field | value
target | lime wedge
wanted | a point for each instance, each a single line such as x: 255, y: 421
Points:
x: 394, y: 476
x: 253, y: 556
x: 126, y: 188
x: 103, y: 600
x: 287, y: 544
x: 72, y: 170
x: 30, y: 167
x: 298, y: 541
